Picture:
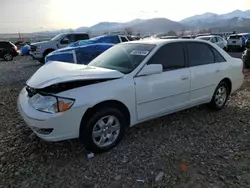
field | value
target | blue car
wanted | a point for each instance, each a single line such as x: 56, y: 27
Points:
x: 79, y: 55
x: 111, y: 39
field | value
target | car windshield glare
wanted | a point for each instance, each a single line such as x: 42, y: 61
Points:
x: 123, y: 57
x: 205, y: 38
x: 57, y: 37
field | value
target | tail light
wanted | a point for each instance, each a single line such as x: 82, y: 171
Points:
x: 15, y: 48
x: 243, y: 70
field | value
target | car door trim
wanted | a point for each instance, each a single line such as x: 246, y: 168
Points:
x: 159, y: 98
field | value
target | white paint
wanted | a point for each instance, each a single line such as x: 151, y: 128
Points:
x: 146, y: 97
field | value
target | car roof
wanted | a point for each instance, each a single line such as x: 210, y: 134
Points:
x: 208, y: 36
x: 160, y: 42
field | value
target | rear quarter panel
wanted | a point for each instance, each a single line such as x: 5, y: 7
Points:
x: 231, y: 69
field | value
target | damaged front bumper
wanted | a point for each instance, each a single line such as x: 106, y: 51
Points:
x: 50, y: 127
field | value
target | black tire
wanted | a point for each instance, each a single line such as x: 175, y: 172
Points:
x: 247, y: 64
x: 87, y: 127
x: 42, y: 61
x: 8, y: 57
x: 213, y: 103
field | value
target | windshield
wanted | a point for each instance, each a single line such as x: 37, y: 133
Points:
x: 84, y: 42
x: 204, y: 38
x: 57, y: 37
x: 123, y: 57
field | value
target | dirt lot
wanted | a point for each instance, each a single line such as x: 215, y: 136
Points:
x: 195, y: 148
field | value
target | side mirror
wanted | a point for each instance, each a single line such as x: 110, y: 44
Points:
x: 151, y: 69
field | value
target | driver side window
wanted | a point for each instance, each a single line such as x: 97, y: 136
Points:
x: 170, y: 56
x: 213, y: 40
x: 67, y: 39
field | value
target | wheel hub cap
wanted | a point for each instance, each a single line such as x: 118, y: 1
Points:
x: 221, y: 96
x: 106, y: 131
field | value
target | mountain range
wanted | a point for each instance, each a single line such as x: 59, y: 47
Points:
x: 234, y: 21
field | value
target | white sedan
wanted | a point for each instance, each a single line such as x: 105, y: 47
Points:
x: 218, y: 40
x: 128, y: 84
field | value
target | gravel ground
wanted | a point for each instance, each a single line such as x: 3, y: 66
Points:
x: 195, y: 148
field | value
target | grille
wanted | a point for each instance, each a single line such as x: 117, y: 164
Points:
x: 32, y: 48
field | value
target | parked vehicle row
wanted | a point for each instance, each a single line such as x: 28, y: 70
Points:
x: 39, y: 50
x: 127, y: 84
x: 83, y: 51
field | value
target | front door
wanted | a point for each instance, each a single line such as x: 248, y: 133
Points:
x: 166, y: 92
x: 67, y: 40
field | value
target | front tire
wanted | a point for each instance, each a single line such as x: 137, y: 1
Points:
x: 42, y: 61
x: 220, y: 96
x: 104, y: 130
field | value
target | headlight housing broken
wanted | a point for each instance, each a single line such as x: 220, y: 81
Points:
x: 50, y: 104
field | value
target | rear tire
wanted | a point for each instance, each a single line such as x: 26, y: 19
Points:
x: 92, y: 131
x: 247, y: 64
x: 8, y: 57
x: 220, y: 96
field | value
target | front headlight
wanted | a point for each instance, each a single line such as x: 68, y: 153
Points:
x: 39, y: 48
x: 50, y: 104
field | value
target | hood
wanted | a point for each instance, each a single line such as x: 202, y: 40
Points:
x: 83, y: 42
x: 58, y: 72
x: 39, y: 43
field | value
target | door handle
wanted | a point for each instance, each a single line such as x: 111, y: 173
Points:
x: 217, y: 70
x: 184, y: 77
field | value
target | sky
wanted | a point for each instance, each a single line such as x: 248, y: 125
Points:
x: 40, y: 15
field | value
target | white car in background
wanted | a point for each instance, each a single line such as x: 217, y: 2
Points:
x: 237, y: 41
x: 128, y: 84
x: 218, y: 40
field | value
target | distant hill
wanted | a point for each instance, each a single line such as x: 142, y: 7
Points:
x: 157, y: 25
x: 233, y: 21
x: 208, y: 18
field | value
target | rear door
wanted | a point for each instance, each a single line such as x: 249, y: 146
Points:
x: 220, y: 42
x: 205, y: 72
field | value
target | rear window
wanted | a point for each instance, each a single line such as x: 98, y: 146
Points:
x: 124, y: 39
x: 5, y: 44
x: 235, y: 36
x: 81, y: 37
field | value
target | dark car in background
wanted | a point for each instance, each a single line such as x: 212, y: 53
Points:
x: 8, y: 50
